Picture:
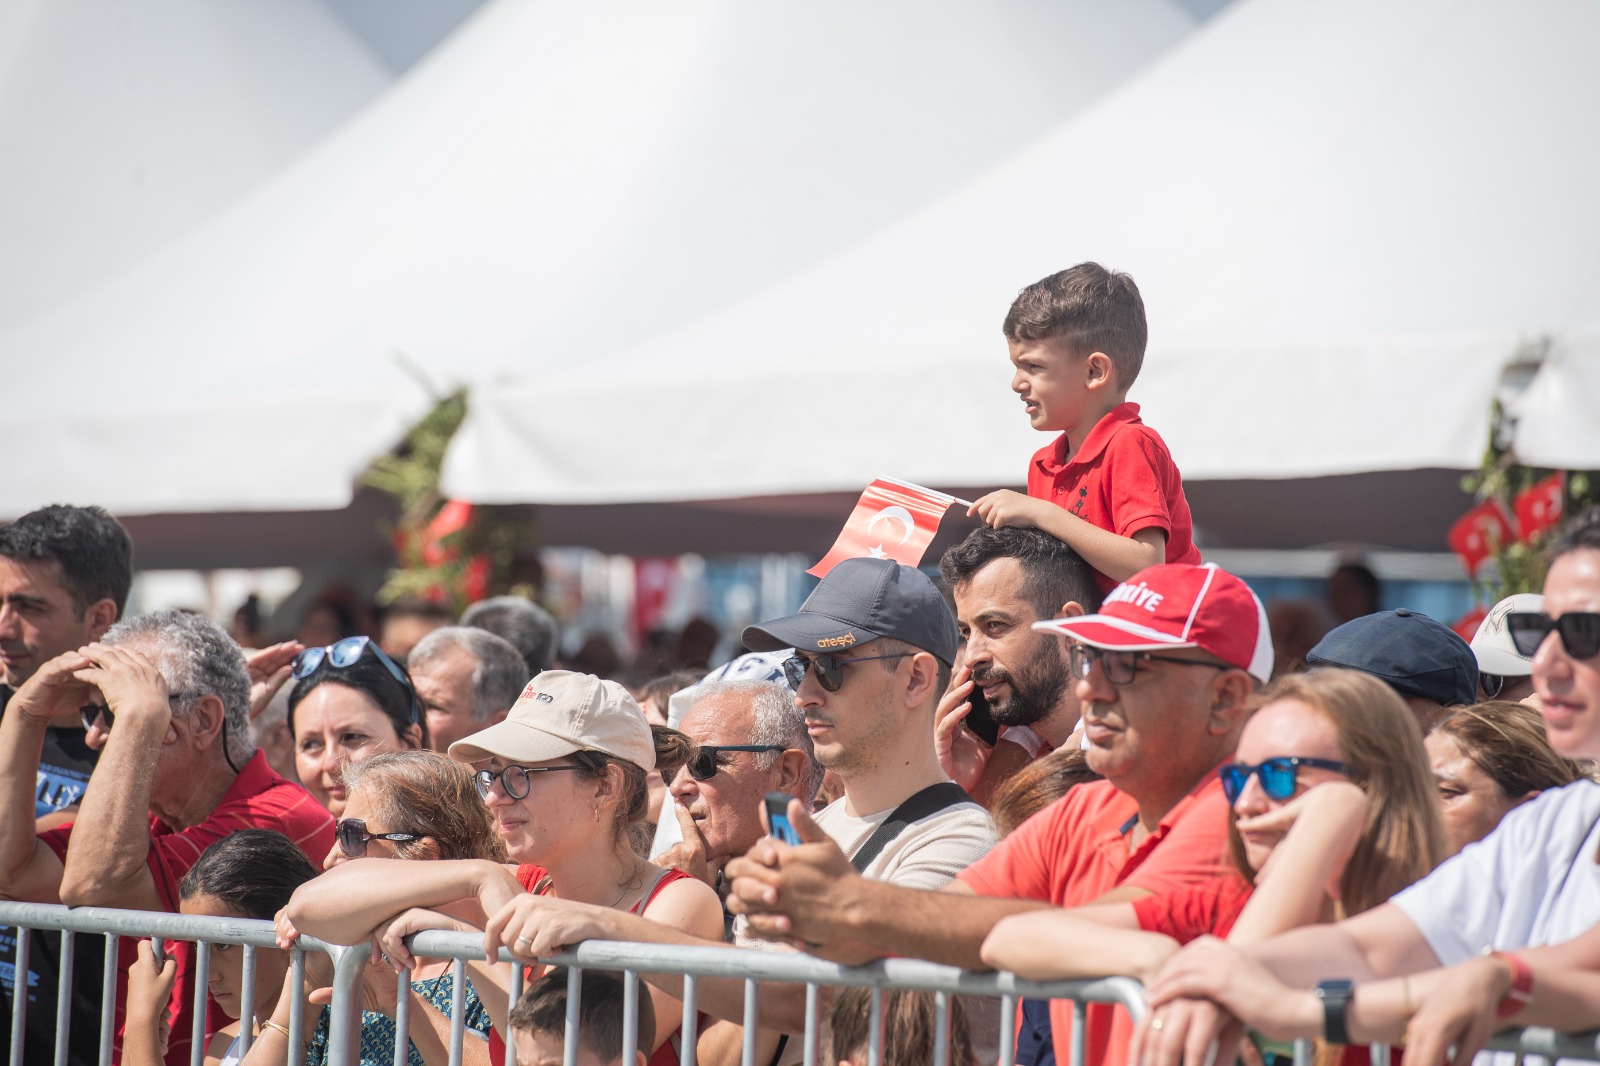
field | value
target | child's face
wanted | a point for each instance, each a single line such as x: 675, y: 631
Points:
x: 1059, y: 390
x: 539, y: 1048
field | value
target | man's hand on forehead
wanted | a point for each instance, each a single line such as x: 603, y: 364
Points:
x: 127, y: 679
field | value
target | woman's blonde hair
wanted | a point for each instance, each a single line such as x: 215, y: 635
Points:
x: 432, y: 795
x: 1381, y: 744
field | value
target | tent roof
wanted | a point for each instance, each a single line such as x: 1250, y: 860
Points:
x: 123, y: 126
x: 1344, y: 219
x: 555, y: 180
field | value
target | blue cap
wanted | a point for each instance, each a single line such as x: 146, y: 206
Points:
x: 1415, y: 654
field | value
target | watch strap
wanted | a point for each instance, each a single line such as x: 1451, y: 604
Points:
x: 1336, y: 996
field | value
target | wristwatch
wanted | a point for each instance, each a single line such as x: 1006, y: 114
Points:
x: 1335, y: 996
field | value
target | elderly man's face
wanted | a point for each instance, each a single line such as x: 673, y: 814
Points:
x: 726, y: 807
x: 444, y: 685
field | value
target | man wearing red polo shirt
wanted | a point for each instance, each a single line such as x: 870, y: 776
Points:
x: 166, y: 698
x: 1165, y: 672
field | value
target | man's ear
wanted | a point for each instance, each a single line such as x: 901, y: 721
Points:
x: 100, y: 616
x: 791, y: 770
x: 924, y: 680
x: 1231, y: 707
x: 205, y: 721
x: 1071, y: 609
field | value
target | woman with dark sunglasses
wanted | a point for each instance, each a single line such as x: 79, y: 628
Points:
x: 409, y: 805
x: 563, y: 780
x: 350, y: 701
x: 1333, y: 811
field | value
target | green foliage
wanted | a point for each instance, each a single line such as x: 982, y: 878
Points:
x: 1519, y: 567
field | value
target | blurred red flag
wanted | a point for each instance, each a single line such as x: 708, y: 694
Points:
x: 893, y: 520
x: 1466, y: 626
x: 1477, y: 533
x: 1539, y: 506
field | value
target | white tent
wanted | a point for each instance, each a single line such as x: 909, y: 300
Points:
x: 1344, y: 219
x: 557, y: 179
x: 123, y: 126
x: 1558, y: 417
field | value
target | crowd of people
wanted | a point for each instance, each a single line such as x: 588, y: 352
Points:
x: 1078, y: 753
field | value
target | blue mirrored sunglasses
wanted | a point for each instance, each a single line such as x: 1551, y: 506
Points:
x: 348, y: 652
x: 1278, y: 776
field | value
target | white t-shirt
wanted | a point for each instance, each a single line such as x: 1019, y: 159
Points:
x: 1533, y: 881
x: 928, y: 853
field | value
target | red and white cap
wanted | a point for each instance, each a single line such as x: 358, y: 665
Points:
x: 1179, y: 605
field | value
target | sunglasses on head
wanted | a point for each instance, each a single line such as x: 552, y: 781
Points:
x: 709, y: 758
x: 828, y: 668
x: 1278, y: 776
x: 354, y: 838
x: 1580, y: 632
x: 514, y: 780
x: 93, y: 712
x: 347, y: 652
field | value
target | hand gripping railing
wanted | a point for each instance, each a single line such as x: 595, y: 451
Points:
x: 694, y: 963
x: 343, y: 1030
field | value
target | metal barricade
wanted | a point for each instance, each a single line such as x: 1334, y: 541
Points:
x: 753, y: 968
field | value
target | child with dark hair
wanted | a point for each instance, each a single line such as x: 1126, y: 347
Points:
x: 909, y: 1020
x: 247, y: 874
x: 539, y: 1021
x: 1107, y: 485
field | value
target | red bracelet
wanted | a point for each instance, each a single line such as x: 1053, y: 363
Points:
x: 1520, y: 994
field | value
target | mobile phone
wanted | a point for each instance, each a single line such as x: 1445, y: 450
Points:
x: 778, y: 818
x: 980, y: 720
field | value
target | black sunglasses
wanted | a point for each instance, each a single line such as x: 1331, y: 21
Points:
x: 829, y: 668
x: 1278, y: 776
x: 1120, y: 667
x: 709, y: 758
x: 354, y: 838
x: 347, y: 652
x: 91, y: 712
x: 514, y: 779
x: 1580, y: 632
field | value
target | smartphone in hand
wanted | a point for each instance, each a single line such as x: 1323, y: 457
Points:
x: 778, y: 823
x: 980, y: 720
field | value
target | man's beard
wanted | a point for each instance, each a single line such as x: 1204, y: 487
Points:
x: 1036, y: 689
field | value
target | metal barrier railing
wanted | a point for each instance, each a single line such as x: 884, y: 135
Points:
x: 693, y: 963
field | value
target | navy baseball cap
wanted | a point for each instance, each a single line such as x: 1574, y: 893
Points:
x: 861, y: 600
x: 1415, y: 654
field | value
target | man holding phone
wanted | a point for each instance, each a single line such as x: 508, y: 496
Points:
x: 1011, y: 699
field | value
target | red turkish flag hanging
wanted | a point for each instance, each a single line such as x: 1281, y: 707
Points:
x: 1539, y: 506
x: 893, y: 520
x: 1477, y: 533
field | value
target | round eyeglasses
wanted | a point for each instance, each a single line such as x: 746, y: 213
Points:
x: 514, y: 780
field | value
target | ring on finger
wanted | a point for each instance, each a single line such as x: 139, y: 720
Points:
x: 524, y: 940
x: 1156, y: 1023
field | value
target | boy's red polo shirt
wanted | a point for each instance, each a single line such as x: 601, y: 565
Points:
x: 1076, y: 850
x: 1123, y: 480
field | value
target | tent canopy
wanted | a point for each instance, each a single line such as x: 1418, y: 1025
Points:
x: 556, y: 180
x: 1344, y: 218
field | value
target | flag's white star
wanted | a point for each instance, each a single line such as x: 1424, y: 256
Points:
x: 877, y: 552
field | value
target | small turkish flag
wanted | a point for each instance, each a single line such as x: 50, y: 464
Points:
x: 1477, y: 533
x: 893, y: 520
x: 1539, y: 506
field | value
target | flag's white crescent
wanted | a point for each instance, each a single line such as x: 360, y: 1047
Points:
x: 896, y: 514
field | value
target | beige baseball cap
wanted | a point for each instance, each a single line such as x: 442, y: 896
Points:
x: 561, y: 712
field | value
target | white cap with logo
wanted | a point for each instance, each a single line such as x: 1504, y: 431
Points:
x: 1491, y: 644
x: 561, y: 712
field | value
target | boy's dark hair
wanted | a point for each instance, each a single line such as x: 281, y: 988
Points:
x: 1054, y: 573
x: 93, y: 551
x: 1087, y: 308
x: 908, y: 1027
x: 253, y: 871
x: 543, y: 1009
